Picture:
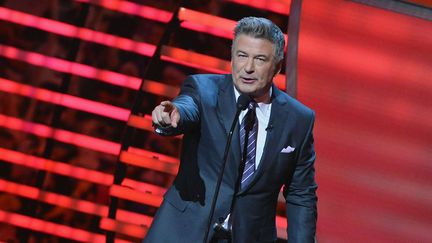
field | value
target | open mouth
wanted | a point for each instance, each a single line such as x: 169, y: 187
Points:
x: 248, y: 80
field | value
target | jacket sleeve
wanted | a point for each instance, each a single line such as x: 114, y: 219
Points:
x: 187, y: 105
x: 300, y: 195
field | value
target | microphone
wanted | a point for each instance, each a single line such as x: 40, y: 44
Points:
x: 242, y: 104
x: 269, y: 127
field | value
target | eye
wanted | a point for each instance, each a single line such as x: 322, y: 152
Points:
x: 260, y: 60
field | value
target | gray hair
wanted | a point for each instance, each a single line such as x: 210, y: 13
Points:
x: 264, y: 29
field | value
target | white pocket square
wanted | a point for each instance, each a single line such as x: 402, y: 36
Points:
x: 288, y: 149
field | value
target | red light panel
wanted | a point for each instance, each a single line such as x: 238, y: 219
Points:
x: 64, y: 100
x: 277, y: 6
x: 132, y: 8
x: 191, y: 19
x: 154, y: 164
x: 51, y: 228
x: 60, y: 135
x: 72, y: 31
x: 206, y: 23
x: 75, y: 172
x: 70, y: 203
x: 136, y: 196
x: 64, y: 66
x: 133, y: 230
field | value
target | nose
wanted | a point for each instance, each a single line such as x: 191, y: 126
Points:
x: 249, y: 66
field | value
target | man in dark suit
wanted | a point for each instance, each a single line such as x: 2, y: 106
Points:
x: 271, y: 148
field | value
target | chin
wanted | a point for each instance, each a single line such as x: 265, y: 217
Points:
x: 246, y: 88
x: 246, y: 91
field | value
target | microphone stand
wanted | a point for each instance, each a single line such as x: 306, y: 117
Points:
x: 240, y: 106
x: 120, y: 168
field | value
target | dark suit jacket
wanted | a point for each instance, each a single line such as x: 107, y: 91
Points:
x: 207, y: 107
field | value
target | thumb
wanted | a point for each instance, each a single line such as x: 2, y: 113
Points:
x: 175, y: 117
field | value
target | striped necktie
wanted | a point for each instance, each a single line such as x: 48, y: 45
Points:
x: 248, y: 137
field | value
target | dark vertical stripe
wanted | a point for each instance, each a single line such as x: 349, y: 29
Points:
x: 292, y: 50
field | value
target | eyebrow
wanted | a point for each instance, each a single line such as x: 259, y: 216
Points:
x: 259, y: 55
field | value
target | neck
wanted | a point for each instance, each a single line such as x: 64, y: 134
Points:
x: 263, y: 99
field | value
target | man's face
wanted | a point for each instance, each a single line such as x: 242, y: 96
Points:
x: 253, y: 66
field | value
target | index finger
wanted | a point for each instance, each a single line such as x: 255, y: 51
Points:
x: 168, y: 105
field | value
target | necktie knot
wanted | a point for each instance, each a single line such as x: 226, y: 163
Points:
x: 250, y: 117
x: 252, y: 105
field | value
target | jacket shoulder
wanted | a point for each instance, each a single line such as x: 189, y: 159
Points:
x: 296, y: 106
x: 209, y: 84
x: 210, y: 79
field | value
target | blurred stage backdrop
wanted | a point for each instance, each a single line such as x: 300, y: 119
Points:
x: 71, y: 70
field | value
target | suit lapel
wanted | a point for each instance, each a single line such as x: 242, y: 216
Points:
x: 226, y: 109
x: 278, y: 122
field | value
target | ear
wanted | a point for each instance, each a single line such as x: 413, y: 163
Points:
x: 278, y: 68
